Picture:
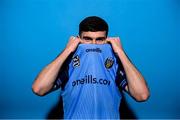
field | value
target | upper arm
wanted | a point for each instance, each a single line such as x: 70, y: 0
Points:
x: 63, y: 75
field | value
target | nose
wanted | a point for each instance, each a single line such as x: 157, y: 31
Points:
x: 94, y: 41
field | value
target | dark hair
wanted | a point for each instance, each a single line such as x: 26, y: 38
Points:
x: 93, y: 24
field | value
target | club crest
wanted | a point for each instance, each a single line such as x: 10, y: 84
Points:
x: 109, y: 62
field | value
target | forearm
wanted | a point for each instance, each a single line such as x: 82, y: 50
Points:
x: 46, y: 78
x: 136, y: 84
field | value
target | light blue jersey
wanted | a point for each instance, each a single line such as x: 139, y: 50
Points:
x: 89, y: 84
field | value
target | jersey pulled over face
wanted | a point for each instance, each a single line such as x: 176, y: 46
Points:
x: 93, y: 77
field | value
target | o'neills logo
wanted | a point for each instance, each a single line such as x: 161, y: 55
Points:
x: 89, y: 79
x: 94, y: 50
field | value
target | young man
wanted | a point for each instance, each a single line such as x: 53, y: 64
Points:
x: 89, y: 72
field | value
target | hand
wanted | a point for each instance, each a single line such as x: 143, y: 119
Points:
x: 73, y: 43
x: 115, y: 42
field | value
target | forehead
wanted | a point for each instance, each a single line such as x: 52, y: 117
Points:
x: 94, y: 34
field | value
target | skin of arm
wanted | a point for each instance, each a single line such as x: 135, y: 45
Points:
x: 137, y: 86
x: 46, y: 78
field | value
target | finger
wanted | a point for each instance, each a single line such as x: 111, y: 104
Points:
x: 108, y: 39
x: 81, y: 41
x: 78, y: 38
x: 72, y: 38
x: 118, y: 38
x: 115, y: 39
x: 111, y: 38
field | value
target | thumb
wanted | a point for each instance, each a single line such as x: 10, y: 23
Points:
x: 107, y: 40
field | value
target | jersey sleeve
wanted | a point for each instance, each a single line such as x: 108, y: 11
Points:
x: 57, y: 84
x: 121, y: 80
x: 63, y: 75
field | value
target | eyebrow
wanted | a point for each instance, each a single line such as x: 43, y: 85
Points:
x: 100, y: 38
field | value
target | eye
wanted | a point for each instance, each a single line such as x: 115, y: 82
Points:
x: 100, y: 39
x: 87, y: 38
